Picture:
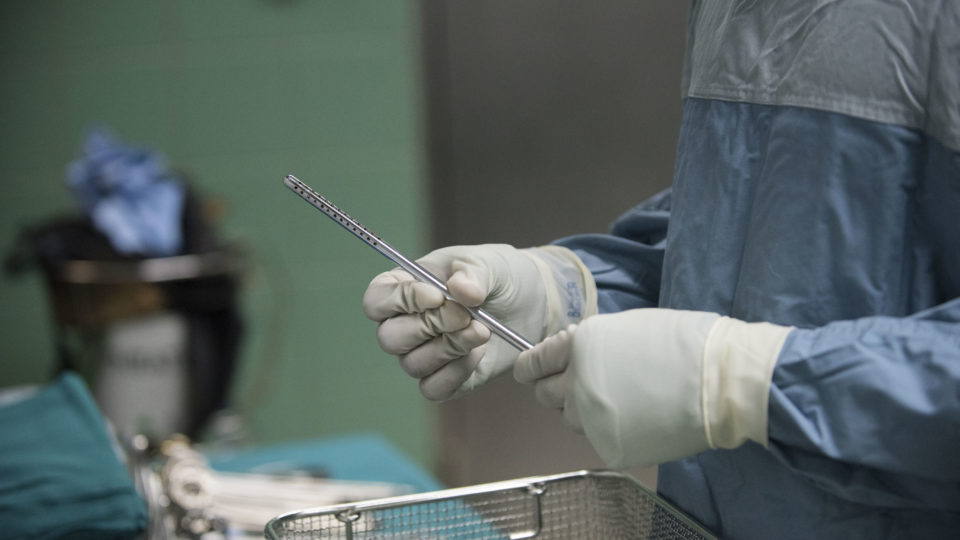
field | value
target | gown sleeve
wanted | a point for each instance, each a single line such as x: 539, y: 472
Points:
x: 870, y: 408
x: 627, y: 263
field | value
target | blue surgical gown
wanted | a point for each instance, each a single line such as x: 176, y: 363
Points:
x: 817, y: 185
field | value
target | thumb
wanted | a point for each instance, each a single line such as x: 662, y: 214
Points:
x: 470, y: 283
x: 550, y: 357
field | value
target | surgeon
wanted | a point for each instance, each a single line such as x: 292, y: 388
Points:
x: 780, y: 331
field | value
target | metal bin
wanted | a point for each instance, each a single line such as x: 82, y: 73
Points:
x: 583, y: 504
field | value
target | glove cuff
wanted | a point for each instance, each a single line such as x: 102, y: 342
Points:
x: 570, y: 290
x: 738, y: 362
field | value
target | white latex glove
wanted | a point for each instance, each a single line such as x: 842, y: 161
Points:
x: 534, y: 291
x: 654, y: 385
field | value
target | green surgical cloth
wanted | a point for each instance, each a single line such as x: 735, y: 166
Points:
x: 60, y: 476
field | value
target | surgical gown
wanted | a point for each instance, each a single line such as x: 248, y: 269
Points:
x: 817, y: 185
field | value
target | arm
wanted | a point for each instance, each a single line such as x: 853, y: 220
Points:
x: 868, y: 409
x: 626, y: 264
x: 537, y: 291
x: 874, y: 402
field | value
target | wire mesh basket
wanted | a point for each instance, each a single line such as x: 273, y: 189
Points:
x: 584, y: 504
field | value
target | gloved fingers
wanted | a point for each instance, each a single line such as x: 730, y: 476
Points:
x: 444, y: 383
x: 550, y: 357
x: 397, y: 292
x: 438, y: 352
x: 551, y: 391
x: 556, y: 392
x: 403, y: 333
x: 571, y: 416
x: 469, y: 283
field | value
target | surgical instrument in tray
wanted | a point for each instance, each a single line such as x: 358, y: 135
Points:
x: 417, y: 271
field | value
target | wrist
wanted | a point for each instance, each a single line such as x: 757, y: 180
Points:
x: 738, y: 362
x: 571, y: 293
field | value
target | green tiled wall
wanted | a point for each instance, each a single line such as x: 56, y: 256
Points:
x: 238, y: 93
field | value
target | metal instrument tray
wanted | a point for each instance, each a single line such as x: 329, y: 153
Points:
x: 583, y: 504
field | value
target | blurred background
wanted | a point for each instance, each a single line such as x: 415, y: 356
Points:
x: 431, y: 122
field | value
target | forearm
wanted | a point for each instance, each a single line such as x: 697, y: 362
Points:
x: 878, y: 396
x: 627, y: 263
x: 626, y: 273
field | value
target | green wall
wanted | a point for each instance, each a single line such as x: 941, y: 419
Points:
x: 238, y: 93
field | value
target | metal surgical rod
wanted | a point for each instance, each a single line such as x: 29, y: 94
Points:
x: 417, y: 271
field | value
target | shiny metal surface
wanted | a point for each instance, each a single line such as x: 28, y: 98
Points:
x: 321, y: 203
x: 227, y: 260
x: 582, y: 504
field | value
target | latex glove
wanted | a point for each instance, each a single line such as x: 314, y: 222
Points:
x: 534, y: 291
x: 654, y: 385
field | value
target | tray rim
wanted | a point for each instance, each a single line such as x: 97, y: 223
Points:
x: 478, y: 489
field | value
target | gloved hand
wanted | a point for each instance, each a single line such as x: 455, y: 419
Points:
x: 534, y: 291
x: 654, y: 385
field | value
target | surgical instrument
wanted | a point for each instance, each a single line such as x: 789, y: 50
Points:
x: 416, y: 270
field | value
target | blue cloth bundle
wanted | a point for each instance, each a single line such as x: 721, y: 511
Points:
x: 129, y: 195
